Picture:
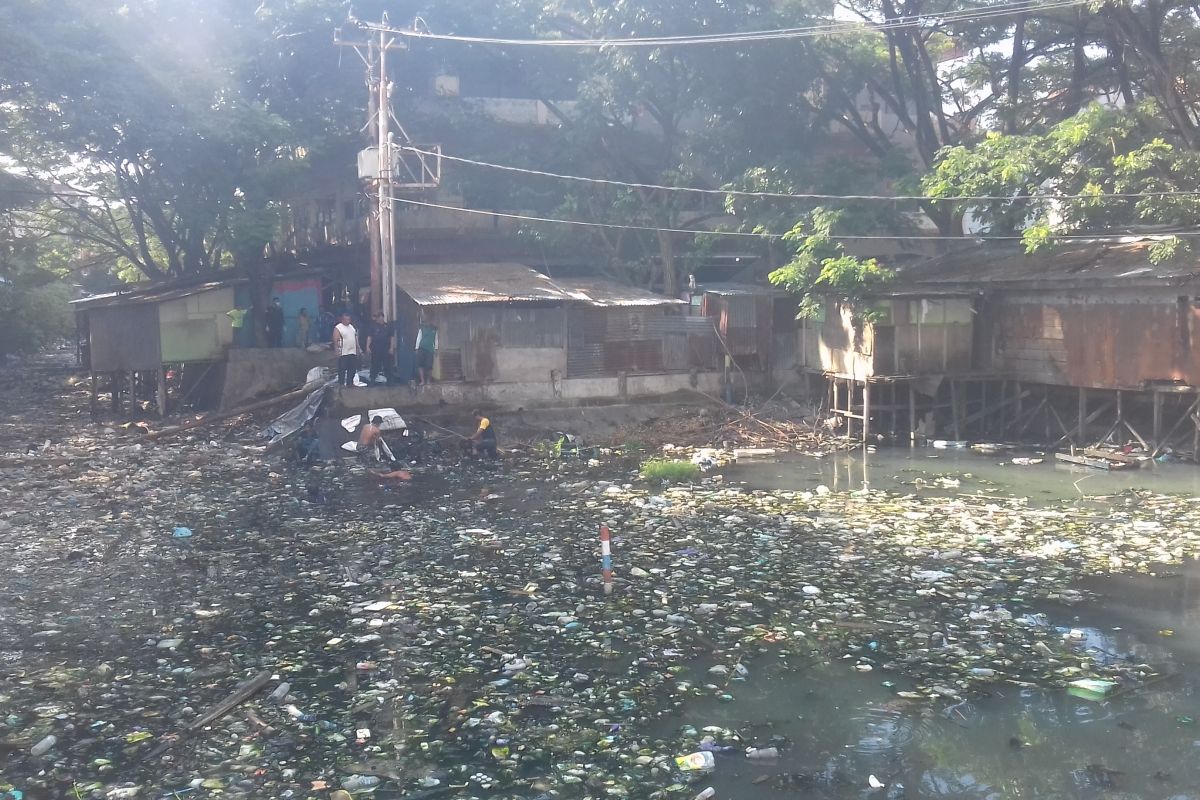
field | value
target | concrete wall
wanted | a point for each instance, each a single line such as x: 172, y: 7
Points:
x: 530, y: 394
x: 253, y: 372
x: 529, y: 363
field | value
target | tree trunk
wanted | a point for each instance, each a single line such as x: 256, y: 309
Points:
x: 1079, y: 64
x: 1015, y: 65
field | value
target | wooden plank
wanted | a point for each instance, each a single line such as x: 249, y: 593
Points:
x: 1094, y: 463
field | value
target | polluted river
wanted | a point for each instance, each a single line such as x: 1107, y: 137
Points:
x: 198, y: 617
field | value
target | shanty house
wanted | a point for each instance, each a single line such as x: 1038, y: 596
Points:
x: 505, y: 324
x: 996, y: 341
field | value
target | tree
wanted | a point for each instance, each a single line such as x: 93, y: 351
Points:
x: 1102, y: 154
x: 820, y: 267
x: 171, y: 146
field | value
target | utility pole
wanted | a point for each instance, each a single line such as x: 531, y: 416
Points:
x: 381, y: 226
x: 388, y: 166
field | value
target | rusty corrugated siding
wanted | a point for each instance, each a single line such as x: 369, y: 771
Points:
x: 1085, y: 342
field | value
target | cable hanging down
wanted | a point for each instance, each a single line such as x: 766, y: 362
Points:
x: 828, y: 29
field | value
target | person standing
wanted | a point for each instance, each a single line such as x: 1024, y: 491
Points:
x: 426, y: 347
x: 381, y: 347
x: 237, y: 317
x: 345, y: 344
x: 303, y: 323
x: 273, y: 320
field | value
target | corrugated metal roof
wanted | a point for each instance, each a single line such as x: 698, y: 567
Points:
x: 1082, y: 263
x: 147, y: 295
x: 610, y: 294
x: 467, y: 284
x: 506, y: 282
x: 723, y: 289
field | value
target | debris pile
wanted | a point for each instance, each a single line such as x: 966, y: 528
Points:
x: 444, y: 638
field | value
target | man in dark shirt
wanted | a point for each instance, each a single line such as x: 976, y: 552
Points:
x: 273, y: 319
x: 381, y: 345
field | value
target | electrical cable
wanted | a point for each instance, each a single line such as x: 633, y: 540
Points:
x: 1113, y: 237
x: 735, y: 37
x: 796, y: 195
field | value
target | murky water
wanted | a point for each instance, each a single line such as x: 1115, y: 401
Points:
x: 903, y: 469
x: 836, y: 729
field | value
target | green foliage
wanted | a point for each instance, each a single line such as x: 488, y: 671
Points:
x: 32, y: 317
x: 665, y: 471
x: 1101, y: 154
x: 820, y: 267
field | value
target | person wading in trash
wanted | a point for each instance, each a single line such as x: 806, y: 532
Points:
x: 308, y: 445
x: 345, y: 344
x: 381, y: 346
x: 483, y: 441
x: 371, y: 445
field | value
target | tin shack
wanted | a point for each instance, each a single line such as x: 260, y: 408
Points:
x: 1084, y: 342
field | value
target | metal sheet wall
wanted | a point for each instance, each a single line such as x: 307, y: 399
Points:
x: 124, y: 338
x: 1118, y: 340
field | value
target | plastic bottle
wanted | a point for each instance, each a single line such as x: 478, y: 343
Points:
x: 707, y: 794
x: 281, y: 691
x: 43, y: 747
x: 983, y: 672
x: 762, y: 752
x: 697, y: 762
x: 356, y: 782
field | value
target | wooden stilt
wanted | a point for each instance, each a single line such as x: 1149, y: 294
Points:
x: 1161, y: 445
x: 866, y: 414
x: 1082, y: 432
x: 1120, y: 409
x: 1133, y: 432
x: 1046, y: 415
x: 1195, y: 437
x: 954, y: 409
x: 162, y: 391
x: 1003, y: 410
x: 117, y: 380
x: 1156, y: 432
x: 912, y: 415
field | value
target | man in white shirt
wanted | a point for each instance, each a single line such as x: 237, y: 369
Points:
x: 345, y: 344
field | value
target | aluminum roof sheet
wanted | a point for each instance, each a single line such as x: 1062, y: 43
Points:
x: 506, y: 282
x: 468, y: 284
x: 147, y: 295
x: 610, y: 294
x: 1077, y: 263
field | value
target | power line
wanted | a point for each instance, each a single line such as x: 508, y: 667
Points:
x: 1109, y: 237
x: 746, y: 36
x: 796, y: 195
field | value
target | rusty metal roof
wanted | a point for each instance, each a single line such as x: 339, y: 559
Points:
x: 469, y: 284
x: 1078, y: 264
x: 610, y: 294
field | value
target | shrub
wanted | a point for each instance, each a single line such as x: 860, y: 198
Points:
x: 664, y: 471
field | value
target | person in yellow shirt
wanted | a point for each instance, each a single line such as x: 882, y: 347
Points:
x: 483, y: 441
